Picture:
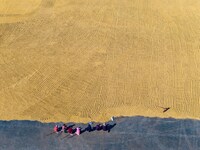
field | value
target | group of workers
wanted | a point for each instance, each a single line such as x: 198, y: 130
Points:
x: 69, y: 129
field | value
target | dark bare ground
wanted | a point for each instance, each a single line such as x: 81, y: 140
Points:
x: 134, y: 133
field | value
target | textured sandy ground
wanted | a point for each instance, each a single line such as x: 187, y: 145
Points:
x: 135, y: 133
x: 80, y: 60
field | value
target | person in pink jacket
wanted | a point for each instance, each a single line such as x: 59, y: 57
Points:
x: 56, y: 129
x: 78, y: 131
x: 64, y: 128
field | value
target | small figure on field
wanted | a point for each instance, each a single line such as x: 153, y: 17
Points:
x: 70, y: 130
x: 89, y: 127
x: 98, y: 127
x: 64, y: 128
x: 56, y: 129
x: 104, y: 127
x: 78, y: 131
x: 112, y: 118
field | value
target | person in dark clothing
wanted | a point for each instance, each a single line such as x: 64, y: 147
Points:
x: 89, y: 127
x: 98, y: 127
x: 104, y: 127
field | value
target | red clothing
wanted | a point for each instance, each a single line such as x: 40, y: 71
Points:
x: 70, y: 130
x: 55, y: 129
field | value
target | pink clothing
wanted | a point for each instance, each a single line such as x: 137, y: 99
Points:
x: 55, y: 129
x: 63, y: 128
x: 78, y: 131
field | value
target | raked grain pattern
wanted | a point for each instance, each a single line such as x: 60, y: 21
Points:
x: 81, y: 60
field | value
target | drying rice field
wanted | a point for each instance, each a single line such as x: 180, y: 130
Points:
x: 82, y: 60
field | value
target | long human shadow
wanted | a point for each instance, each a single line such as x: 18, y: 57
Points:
x: 109, y: 127
x: 89, y: 128
x: 70, y: 126
x: 98, y: 127
x: 59, y: 130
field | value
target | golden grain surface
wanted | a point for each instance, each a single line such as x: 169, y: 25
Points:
x: 81, y: 60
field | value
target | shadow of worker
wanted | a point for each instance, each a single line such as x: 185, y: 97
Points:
x: 108, y: 127
x: 89, y: 128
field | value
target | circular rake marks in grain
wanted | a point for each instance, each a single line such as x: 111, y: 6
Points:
x: 103, y: 55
